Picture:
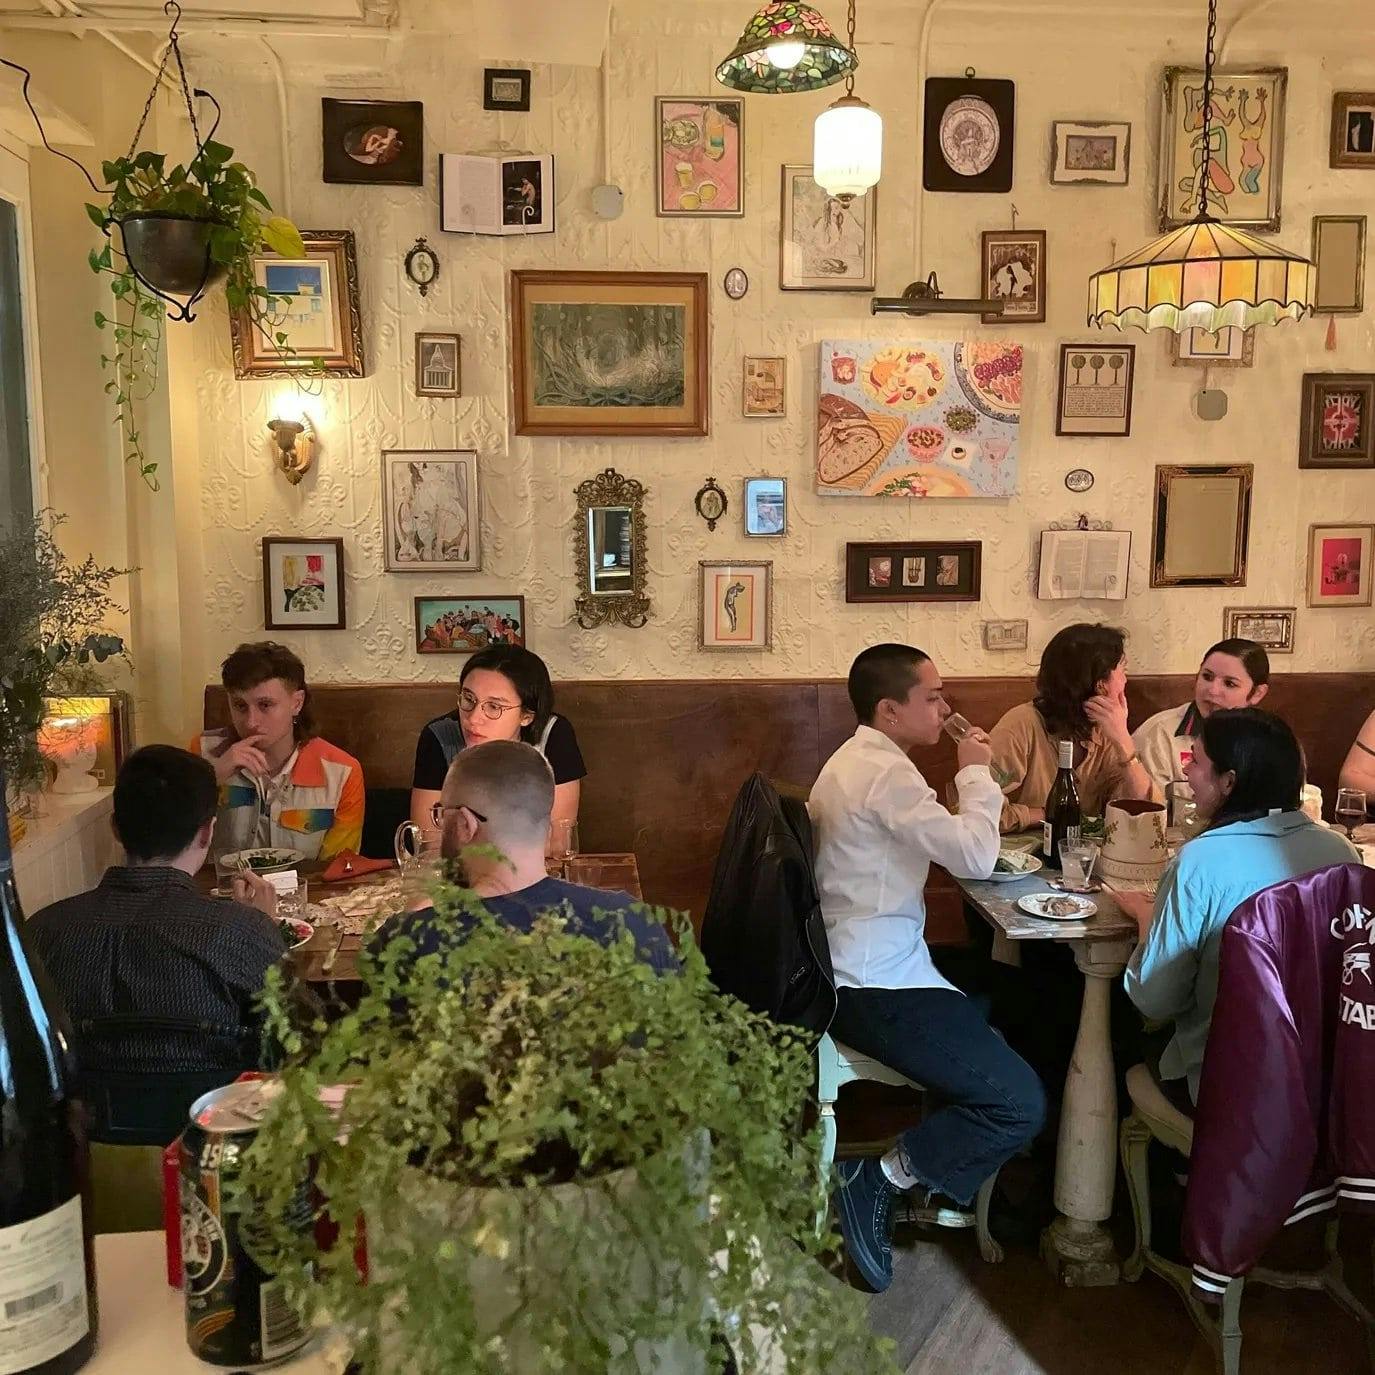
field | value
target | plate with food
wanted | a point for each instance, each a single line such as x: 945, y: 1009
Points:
x: 1014, y: 864
x: 268, y: 859
x: 1057, y: 906
x: 990, y: 375
x: 295, y: 931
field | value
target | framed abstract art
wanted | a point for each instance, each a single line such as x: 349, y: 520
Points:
x: 303, y: 584
x: 1338, y: 425
x: 431, y: 514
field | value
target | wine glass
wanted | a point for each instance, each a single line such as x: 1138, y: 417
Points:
x: 1349, y: 811
x: 957, y: 727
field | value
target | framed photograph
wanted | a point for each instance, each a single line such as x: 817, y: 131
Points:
x: 967, y: 134
x: 506, y: 88
x: 463, y: 625
x: 1353, y: 130
x: 1213, y: 348
x: 106, y: 726
x: 1339, y: 254
x: 1014, y: 268
x: 764, y: 389
x: 926, y: 571
x: 1002, y: 635
x: 1090, y: 153
x: 653, y: 324
x: 1270, y: 626
x: 438, y: 365
x: 431, y: 514
x: 1095, y: 396
x: 316, y: 308
x: 1338, y: 428
x: 1339, y: 564
x: 822, y: 244
x: 1245, y: 160
x: 303, y: 584
x: 766, y: 505
x: 735, y: 608
x: 373, y: 142
x: 700, y: 161
x: 1202, y: 525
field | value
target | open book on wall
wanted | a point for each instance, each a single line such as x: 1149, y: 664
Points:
x: 1084, y: 563
x: 512, y: 193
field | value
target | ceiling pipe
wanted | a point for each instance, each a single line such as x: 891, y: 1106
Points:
x: 296, y: 28
x: 1232, y: 27
x: 919, y: 85
x: 279, y: 75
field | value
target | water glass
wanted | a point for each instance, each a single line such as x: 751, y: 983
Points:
x: 1077, y: 859
x: 563, y: 839
x: 225, y: 871
x: 1349, y: 810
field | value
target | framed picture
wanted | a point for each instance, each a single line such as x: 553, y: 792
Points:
x: 926, y: 571
x: 1090, y: 153
x: 438, y: 369
x: 1353, y: 130
x: 1245, y: 160
x: 700, y: 161
x: 766, y: 505
x: 764, y: 389
x: 1095, y: 395
x: 106, y: 725
x: 506, y: 88
x: 1339, y: 564
x: 303, y: 584
x: 735, y: 608
x: 1014, y: 268
x: 431, y: 515
x: 1271, y: 626
x: 967, y: 129
x: 824, y: 245
x: 654, y: 324
x: 1338, y: 428
x: 373, y: 142
x: 463, y: 625
x: 1002, y: 635
x: 1339, y: 253
x: 1214, y: 348
x: 1202, y: 525
x: 316, y: 308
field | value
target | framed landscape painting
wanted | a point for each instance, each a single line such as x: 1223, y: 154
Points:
x: 463, y: 625
x: 303, y: 584
x: 824, y: 245
x: 431, y: 516
x: 1339, y: 564
x: 700, y: 162
x: 609, y: 353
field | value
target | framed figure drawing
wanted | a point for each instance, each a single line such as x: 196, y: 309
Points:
x: 824, y: 245
x: 315, y: 306
x: 303, y: 584
x: 1338, y: 427
x: 700, y: 156
x: 1339, y: 564
x: 1353, y: 130
x: 1271, y: 626
x: 431, y: 515
x: 1213, y: 348
x: 735, y: 605
x: 764, y: 387
x: 463, y: 625
x: 373, y: 142
x: 438, y: 370
x: 1095, y: 395
x: 1013, y: 267
x: 1090, y: 153
x: 1244, y: 163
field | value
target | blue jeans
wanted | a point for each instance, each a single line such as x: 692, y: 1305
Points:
x: 991, y: 1104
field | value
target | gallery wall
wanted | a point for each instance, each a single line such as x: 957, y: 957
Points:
x: 1066, y: 66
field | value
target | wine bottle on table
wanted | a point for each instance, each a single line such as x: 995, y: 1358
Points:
x: 1064, y: 819
x: 47, y: 1270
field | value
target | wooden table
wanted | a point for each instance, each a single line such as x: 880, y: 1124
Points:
x: 1076, y: 1245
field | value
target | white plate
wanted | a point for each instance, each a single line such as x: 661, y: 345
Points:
x: 1039, y: 903
x: 302, y: 931
x: 265, y: 859
x: 1033, y: 868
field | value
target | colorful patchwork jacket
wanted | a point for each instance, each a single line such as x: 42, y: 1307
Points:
x: 318, y: 809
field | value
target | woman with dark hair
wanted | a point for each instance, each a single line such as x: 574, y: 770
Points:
x: 504, y: 693
x: 1234, y: 673
x: 1081, y: 696
x: 1246, y: 770
x: 280, y: 784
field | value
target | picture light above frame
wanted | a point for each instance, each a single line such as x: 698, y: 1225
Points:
x: 924, y: 298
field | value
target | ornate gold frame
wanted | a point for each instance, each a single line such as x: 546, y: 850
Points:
x: 631, y: 608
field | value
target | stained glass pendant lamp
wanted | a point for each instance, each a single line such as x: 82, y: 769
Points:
x: 847, y: 142
x: 786, y: 47
x: 1203, y: 275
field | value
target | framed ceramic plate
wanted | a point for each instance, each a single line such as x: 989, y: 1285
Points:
x: 1057, y: 906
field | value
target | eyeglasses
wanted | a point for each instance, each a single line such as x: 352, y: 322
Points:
x: 491, y: 709
x: 439, y: 808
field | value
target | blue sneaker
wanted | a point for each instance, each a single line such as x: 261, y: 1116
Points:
x: 864, y: 1203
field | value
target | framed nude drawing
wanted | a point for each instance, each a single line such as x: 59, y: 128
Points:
x: 823, y: 244
x: 431, y: 516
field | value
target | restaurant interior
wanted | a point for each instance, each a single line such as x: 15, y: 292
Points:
x: 697, y: 348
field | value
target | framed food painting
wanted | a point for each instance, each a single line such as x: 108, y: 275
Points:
x: 1338, y: 426
x: 825, y: 245
x: 967, y: 129
x: 926, y: 571
x: 1339, y: 564
x: 1095, y: 396
x: 1245, y: 159
x: 735, y: 608
x: 303, y: 584
x: 609, y: 353
x: 1013, y: 268
x: 463, y: 625
x: 700, y: 163
x: 934, y: 419
x: 431, y: 516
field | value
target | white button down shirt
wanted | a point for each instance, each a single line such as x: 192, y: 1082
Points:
x: 878, y: 827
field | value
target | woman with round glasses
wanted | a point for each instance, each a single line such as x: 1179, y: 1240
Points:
x: 504, y: 693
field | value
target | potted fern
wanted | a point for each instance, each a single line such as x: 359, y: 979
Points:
x: 561, y: 1161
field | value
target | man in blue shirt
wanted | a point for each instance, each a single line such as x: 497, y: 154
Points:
x: 499, y: 795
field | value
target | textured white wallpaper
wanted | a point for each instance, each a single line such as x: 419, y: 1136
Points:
x: 1061, y: 71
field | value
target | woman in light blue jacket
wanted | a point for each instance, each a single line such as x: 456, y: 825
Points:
x: 1247, y: 776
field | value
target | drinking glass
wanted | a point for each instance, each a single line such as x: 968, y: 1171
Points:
x: 563, y: 839
x: 1077, y: 858
x: 225, y: 870
x: 1349, y: 811
x: 957, y: 727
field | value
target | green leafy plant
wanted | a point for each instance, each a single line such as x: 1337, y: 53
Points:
x: 52, y: 633
x: 212, y: 188
x: 561, y: 1162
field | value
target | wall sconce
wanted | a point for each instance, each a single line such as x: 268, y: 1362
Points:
x: 293, y: 447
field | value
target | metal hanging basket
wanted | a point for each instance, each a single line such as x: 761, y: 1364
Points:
x: 170, y: 254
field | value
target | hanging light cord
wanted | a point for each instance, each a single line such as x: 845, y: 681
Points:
x: 1209, y: 56
x: 850, y: 71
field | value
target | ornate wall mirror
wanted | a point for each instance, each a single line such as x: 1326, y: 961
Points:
x: 609, y: 551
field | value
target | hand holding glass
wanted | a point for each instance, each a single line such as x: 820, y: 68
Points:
x: 1077, y: 859
x: 1349, y: 811
x: 957, y: 727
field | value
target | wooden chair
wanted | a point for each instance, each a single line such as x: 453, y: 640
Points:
x: 1154, y: 1117
x: 837, y: 1065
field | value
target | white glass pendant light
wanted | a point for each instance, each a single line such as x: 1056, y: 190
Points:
x: 847, y: 148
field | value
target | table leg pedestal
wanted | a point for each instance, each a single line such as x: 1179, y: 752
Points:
x: 1076, y: 1245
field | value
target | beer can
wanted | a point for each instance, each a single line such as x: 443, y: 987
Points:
x: 236, y: 1313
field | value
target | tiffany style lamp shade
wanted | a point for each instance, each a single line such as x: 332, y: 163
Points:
x: 786, y: 47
